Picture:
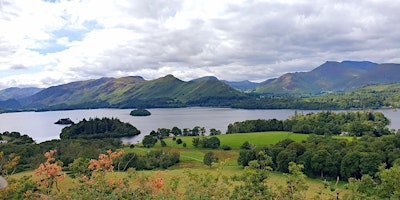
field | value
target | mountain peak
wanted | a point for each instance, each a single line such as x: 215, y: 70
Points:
x: 204, y: 78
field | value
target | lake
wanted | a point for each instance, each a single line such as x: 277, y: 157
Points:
x: 40, y: 125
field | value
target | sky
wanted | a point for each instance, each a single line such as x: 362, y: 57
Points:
x: 50, y: 42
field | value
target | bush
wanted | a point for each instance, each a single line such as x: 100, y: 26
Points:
x: 163, y: 144
x: 246, y: 145
x: 179, y: 141
x: 226, y: 147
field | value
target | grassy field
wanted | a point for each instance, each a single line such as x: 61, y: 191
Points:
x: 236, y: 140
x: 258, y: 139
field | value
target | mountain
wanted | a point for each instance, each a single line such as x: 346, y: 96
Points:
x: 132, y: 91
x: 242, y: 85
x: 204, y: 78
x: 239, y: 85
x: 17, y: 93
x: 332, y: 76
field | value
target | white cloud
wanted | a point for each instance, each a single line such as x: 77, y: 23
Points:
x: 46, y: 43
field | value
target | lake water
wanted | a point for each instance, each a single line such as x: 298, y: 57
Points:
x: 40, y: 125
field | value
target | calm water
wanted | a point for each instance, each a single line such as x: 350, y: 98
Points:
x: 40, y: 125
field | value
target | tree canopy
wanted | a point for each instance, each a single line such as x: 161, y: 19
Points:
x: 99, y: 128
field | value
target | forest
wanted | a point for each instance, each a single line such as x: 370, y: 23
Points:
x: 99, y: 128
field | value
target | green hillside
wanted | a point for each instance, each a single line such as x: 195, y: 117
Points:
x: 126, y: 92
x: 332, y: 77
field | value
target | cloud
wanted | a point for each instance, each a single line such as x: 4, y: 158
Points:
x: 61, y: 41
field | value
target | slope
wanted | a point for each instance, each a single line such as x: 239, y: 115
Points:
x: 131, y: 91
x: 330, y: 76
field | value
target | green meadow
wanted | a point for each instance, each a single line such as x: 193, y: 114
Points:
x: 258, y: 139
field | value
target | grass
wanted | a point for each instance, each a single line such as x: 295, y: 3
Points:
x: 236, y: 140
x: 257, y: 139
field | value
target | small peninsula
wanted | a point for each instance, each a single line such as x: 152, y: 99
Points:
x: 98, y: 129
x: 140, y: 112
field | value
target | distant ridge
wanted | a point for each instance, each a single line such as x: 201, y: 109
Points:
x: 333, y: 76
x: 18, y: 93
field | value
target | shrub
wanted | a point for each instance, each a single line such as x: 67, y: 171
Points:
x: 226, y: 147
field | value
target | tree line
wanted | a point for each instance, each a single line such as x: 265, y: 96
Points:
x: 323, y: 156
x: 356, y: 123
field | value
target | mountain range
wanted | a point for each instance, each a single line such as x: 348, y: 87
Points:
x: 168, y: 91
x: 127, y: 92
x: 334, y: 76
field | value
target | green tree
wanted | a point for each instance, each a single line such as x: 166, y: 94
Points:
x: 214, y: 131
x: 149, y: 141
x: 179, y: 141
x: 350, y: 166
x: 390, y: 181
x: 196, y: 142
x: 80, y: 167
x: 163, y: 144
x: 295, y: 184
x: 176, y: 131
x: 245, y: 156
x: 321, y: 162
x: 246, y: 145
x: 210, y: 158
x: 370, y: 162
x: 252, y: 184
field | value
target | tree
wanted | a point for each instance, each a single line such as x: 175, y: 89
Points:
x: 163, y: 144
x: 202, y: 131
x: 370, y: 162
x: 253, y: 182
x: 246, y: 145
x: 176, y: 131
x: 164, y: 132
x: 196, y: 142
x: 295, y: 183
x: 212, y: 142
x: 149, y: 141
x: 80, y: 167
x: 245, y: 156
x: 350, y: 166
x: 196, y: 131
x: 214, y: 131
x: 321, y: 161
x: 210, y: 158
x: 179, y: 141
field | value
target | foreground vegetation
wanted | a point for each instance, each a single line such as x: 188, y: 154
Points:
x: 257, y: 165
x: 256, y: 181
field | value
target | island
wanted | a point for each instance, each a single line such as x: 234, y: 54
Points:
x: 140, y: 112
x: 64, y: 121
